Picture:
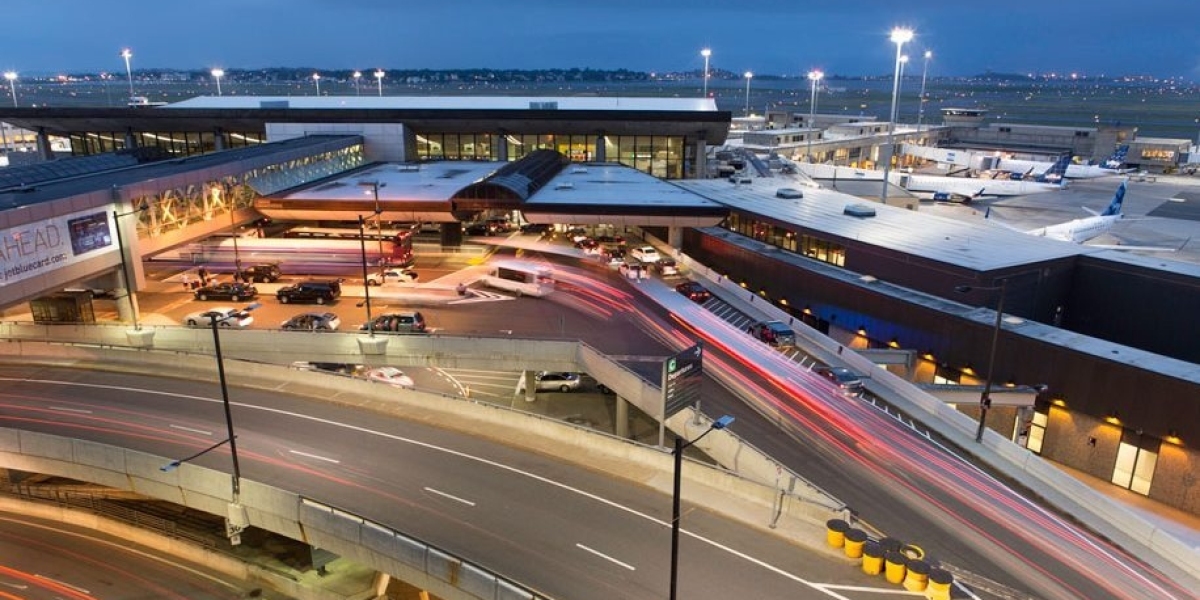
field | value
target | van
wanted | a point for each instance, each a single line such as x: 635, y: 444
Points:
x: 774, y: 333
x: 310, y: 292
x: 527, y: 280
x: 401, y: 322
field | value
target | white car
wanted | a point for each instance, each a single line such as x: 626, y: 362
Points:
x: 226, y: 317
x: 631, y: 269
x: 390, y: 376
x: 392, y: 276
x: 646, y: 254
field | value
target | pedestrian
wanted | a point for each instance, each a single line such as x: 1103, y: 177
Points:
x: 187, y: 281
x: 203, y: 273
x: 461, y: 288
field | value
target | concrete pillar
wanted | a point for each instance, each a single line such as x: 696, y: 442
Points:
x: 502, y: 147
x: 43, y: 145
x: 380, y: 585
x: 130, y: 141
x: 601, y: 149
x: 452, y: 235
x: 621, y: 419
x: 701, y: 167
x: 675, y: 236
x: 530, y: 386
x: 218, y: 139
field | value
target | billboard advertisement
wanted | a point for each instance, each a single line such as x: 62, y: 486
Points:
x: 37, y: 248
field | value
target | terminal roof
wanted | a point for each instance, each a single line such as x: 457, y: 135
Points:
x: 613, y: 103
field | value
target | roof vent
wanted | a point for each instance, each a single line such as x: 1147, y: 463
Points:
x: 565, y: 185
x: 859, y: 210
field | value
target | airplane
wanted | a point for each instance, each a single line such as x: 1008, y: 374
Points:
x: 1079, y: 231
x: 1109, y: 166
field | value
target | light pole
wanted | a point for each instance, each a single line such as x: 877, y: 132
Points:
x: 985, y: 399
x: 900, y: 36
x: 374, y: 188
x: 706, y: 53
x: 680, y: 446
x: 217, y: 75
x: 379, y: 80
x: 362, y: 240
x: 317, y: 80
x: 748, y: 75
x: 814, y: 78
x: 128, y: 54
x: 129, y: 283
x: 357, y: 75
x: 921, y: 106
x: 11, y: 76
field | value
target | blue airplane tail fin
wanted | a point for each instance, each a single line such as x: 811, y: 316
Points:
x: 1117, y: 159
x: 1057, y: 171
x: 1114, y: 207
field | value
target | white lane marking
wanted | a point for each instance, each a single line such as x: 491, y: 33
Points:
x: 63, y: 583
x: 15, y: 586
x: 315, y: 457
x: 605, y: 557
x: 450, y: 496
x: 71, y: 410
x: 432, y: 447
x: 190, y: 429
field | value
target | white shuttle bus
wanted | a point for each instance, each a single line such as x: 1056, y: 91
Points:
x: 520, y: 278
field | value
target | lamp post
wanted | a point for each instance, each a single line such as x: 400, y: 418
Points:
x: 317, y: 81
x: 217, y: 75
x: 379, y: 80
x: 680, y: 446
x: 706, y: 53
x: 11, y: 76
x: 374, y: 188
x: 814, y: 78
x: 900, y: 36
x: 129, y: 284
x: 921, y: 106
x: 748, y: 75
x: 127, y: 54
x: 985, y: 399
x: 362, y: 240
x: 357, y: 75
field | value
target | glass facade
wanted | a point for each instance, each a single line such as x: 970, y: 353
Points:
x: 787, y: 238
x: 660, y: 156
x: 177, y: 143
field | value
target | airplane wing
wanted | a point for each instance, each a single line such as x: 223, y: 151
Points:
x: 1140, y: 248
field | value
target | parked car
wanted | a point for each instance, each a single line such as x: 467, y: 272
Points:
x: 694, y: 291
x: 646, y: 254
x: 264, y: 273
x: 477, y: 229
x: 611, y: 239
x: 226, y: 316
x: 313, y: 321
x: 632, y: 269
x: 226, y: 291
x: 310, y: 292
x: 774, y: 333
x: 390, y: 376
x: 667, y: 267
x: 553, y: 381
x: 392, y: 276
x: 403, y: 322
x: 535, y: 228
x: 329, y: 367
x: 849, y: 381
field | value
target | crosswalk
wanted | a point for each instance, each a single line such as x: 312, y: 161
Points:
x: 477, y: 295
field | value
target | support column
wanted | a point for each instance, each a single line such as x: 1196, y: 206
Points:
x: 621, y: 419
x: 218, y: 139
x: 701, y: 166
x: 452, y: 235
x: 44, y: 150
x: 530, y: 386
x: 601, y: 154
x: 675, y: 236
x: 130, y: 141
x: 502, y: 147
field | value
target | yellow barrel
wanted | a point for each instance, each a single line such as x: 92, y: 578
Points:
x: 939, y: 584
x: 872, y: 563
x: 918, y: 575
x: 855, y: 538
x: 895, y: 566
x: 835, y: 532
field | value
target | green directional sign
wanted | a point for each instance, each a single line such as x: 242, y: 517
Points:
x: 682, y: 374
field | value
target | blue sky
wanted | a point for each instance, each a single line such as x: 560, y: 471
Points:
x: 1158, y: 37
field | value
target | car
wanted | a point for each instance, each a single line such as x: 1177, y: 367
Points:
x: 613, y: 257
x: 585, y: 243
x: 392, y: 276
x: 646, y: 254
x: 313, y: 321
x: 694, y: 291
x: 390, y: 376
x: 477, y: 229
x: 226, y: 316
x: 667, y: 267
x: 774, y: 333
x: 554, y: 381
x: 632, y: 269
x: 264, y: 273
x: 403, y: 322
x: 611, y: 239
x: 329, y: 367
x: 535, y: 228
x: 849, y: 381
x: 226, y: 291
x: 310, y: 292
x: 577, y: 233
x: 789, y: 193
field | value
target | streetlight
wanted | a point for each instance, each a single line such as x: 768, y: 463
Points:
x: 379, y: 80
x: 129, y: 283
x: 900, y: 36
x: 374, y: 187
x: 985, y: 399
x: 706, y: 53
x: 11, y: 76
x: 357, y: 75
x: 362, y: 240
x: 921, y: 106
x: 814, y: 77
x: 217, y: 75
x: 748, y: 75
x: 317, y: 80
x: 680, y: 446
x: 127, y: 54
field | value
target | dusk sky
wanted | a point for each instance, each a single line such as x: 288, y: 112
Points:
x: 1154, y: 37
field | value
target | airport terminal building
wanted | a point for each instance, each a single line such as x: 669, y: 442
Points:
x: 1120, y: 396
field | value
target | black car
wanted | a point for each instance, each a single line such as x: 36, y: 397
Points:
x: 694, y: 291
x: 264, y: 273
x: 478, y: 229
x: 535, y: 228
x: 310, y: 292
x: 226, y: 291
